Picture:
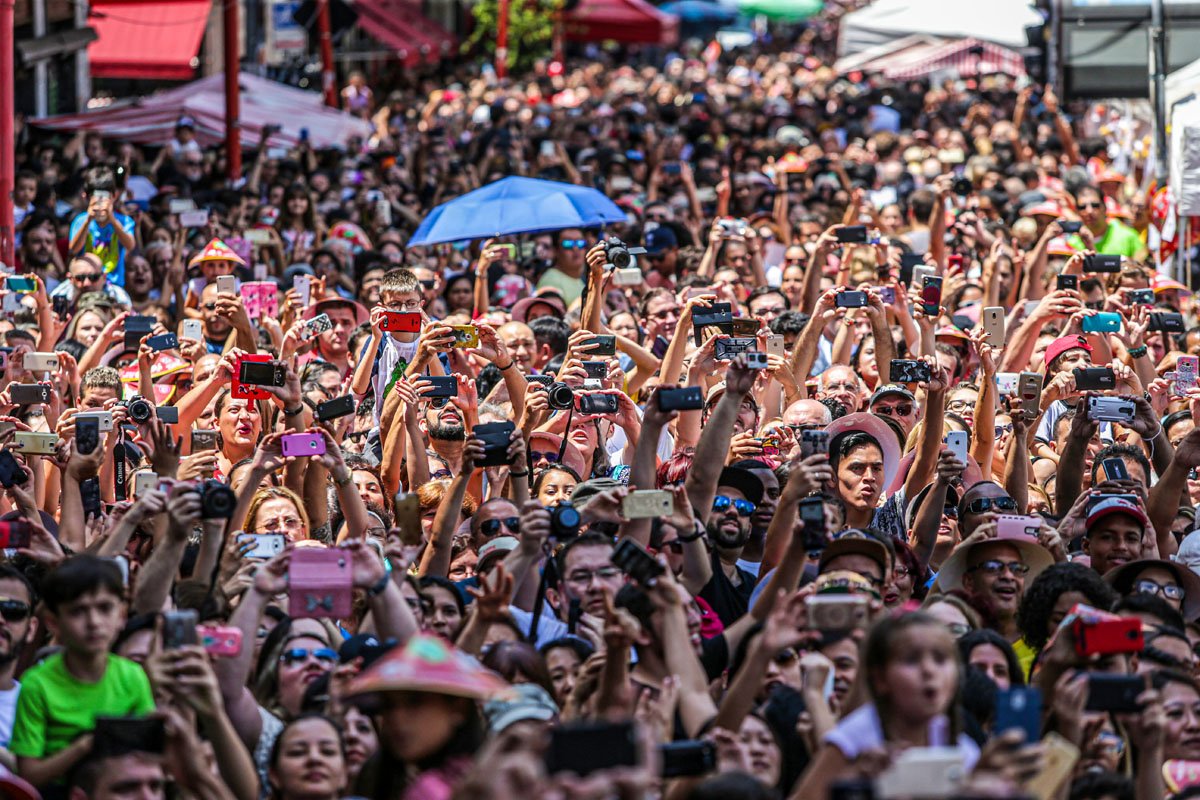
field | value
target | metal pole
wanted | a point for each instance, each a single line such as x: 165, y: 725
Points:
x: 502, y: 41
x: 83, y: 74
x: 41, y: 82
x: 7, y: 142
x: 233, y: 139
x: 328, y: 75
x: 1158, y: 76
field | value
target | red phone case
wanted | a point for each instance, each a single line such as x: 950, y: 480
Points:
x: 245, y: 391
x: 319, y: 583
x: 1108, y: 636
x: 401, y: 322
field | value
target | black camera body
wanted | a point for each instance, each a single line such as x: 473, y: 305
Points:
x: 564, y: 522
x: 140, y: 409
x: 217, y: 501
x: 560, y: 396
x: 620, y: 255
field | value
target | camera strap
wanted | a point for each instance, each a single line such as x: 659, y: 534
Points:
x: 549, y: 576
x: 119, y: 468
x: 562, y: 448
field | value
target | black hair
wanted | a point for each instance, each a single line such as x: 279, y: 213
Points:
x: 1103, y: 785
x: 972, y: 639
x: 277, y: 745
x: 845, y: 443
x: 450, y: 586
x: 80, y: 575
x: 588, y: 539
x: 1174, y: 417
x: 762, y: 291
x: 789, y: 322
x: 978, y: 692
x: 135, y: 624
x: 582, y: 648
x: 9, y: 572
x: 1041, y: 596
x: 384, y: 777
x: 541, y: 474
x: 732, y: 786
x: 1142, y: 603
x: 552, y: 331
x: 1125, y: 452
x: 836, y: 409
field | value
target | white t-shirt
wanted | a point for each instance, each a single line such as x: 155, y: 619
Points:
x: 8, y: 713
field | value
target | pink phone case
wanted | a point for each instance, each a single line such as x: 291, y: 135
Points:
x: 303, y: 444
x: 319, y: 583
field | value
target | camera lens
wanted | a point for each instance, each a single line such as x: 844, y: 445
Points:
x: 140, y: 410
x: 564, y: 521
x: 217, y: 501
x: 619, y: 257
x: 560, y: 396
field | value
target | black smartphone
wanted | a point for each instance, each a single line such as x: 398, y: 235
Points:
x: 1167, y: 322
x: 1115, y: 469
x: 1140, y: 297
x: 686, y: 398
x: 907, y: 262
x: 1094, y: 379
x: 168, y: 415
x: 89, y: 491
x: 121, y: 735
x: 335, y: 408
x: 61, y: 306
x: 599, y: 403
x: 25, y: 394
x: 1117, y: 693
x: 1065, y: 282
x: 1070, y: 225
x: 179, y: 628
x: 87, y: 434
x: 903, y: 370
x: 1099, y: 262
x: 136, y: 328
x: 931, y: 295
x: 852, y: 234
x: 1020, y: 707
x: 718, y: 315
x: 635, y: 562
x: 262, y: 373
x: 164, y: 341
x: 851, y: 299
x: 596, y: 369
x: 442, y: 386
x: 687, y: 758
x: 607, y: 342
x: 587, y: 747
x: 496, y: 438
x: 11, y: 472
x: 812, y: 517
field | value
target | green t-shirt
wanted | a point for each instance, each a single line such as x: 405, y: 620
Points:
x: 1120, y: 240
x: 55, y: 708
x: 569, y: 287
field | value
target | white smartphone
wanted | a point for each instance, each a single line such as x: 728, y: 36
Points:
x: 929, y: 772
x: 105, y: 418
x: 226, y: 284
x: 957, y: 442
x: 303, y: 284
x: 193, y: 329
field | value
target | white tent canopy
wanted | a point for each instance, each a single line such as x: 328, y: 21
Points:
x: 999, y: 21
x: 1183, y: 82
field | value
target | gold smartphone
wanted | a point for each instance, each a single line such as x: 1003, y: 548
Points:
x: 993, y: 325
x: 1060, y: 759
x: 408, y: 519
x: 36, y: 444
x: 647, y: 504
x: 465, y: 335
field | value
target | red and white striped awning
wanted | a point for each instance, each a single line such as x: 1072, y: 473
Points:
x: 966, y: 57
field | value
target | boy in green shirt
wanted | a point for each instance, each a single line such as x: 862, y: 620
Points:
x: 60, y: 698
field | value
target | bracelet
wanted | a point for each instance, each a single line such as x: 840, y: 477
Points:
x: 522, y: 474
x: 294, y: 412
x: 341, y: 482
x: 1138, y: 352
x: 509, y: 366
x: 697, y: 533
x: 379, y: 587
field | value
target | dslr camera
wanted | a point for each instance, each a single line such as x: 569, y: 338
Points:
x: 140, y: 409
x: 217, y: 501
x: 620, y: 255
x: 564, y: 521
x: 560, y: 396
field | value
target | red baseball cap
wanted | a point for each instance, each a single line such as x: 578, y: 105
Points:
x: 1116, y: 505
x: 1062, y: 344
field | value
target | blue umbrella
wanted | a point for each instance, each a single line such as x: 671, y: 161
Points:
x: 516, y: 205
x: 700, y: 11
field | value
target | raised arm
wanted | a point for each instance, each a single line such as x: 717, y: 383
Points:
x: 702, y: 479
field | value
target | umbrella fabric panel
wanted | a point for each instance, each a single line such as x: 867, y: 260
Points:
x: 148, y: 40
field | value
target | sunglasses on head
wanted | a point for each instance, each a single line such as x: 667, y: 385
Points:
x: 982, y: 505
x: 297, y: 654
x: 722, y: 503
x: 492, y: 526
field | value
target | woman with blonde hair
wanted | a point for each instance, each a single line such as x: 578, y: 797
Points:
x: 278, y: 510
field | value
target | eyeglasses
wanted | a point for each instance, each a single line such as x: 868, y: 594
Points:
x: 994, y: 566
x: 722, y: 503
x: 298, y: 654
x: 290, y: 524
x: 982, y: 505
x: 573, y: 244
x: 1090, y: 205
x: 583, y: 577
x: 1108, y: 742
x: 411, y: 305
x: 491, y: 527
x: 1169, y: 591
x: 895, y: 411
x: 14, y: 610
x: 209, y: 306
x: 666, y: 313
x: 961, y: 405
x: 1003, y: 429
x: 901, y: 572
x: 950, y: 511
x: 87, y: 277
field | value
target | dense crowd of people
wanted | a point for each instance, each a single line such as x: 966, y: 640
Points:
x: 873, y: 475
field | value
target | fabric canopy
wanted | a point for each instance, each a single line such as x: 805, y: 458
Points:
x: 999, y: 21
x: 156, y: 40
x: 400, y: 26
x: 626, y: 21
x: 151, y: 120
x: 964, y: 57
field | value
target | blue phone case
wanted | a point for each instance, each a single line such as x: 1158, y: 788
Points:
x: 1104, y: 322
x: 1020, y: 707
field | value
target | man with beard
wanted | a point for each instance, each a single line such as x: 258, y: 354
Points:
x: 17, y: 629
x: 444, y: 422
x: 739, y: 492
x: 334, y: 344
x: 38, y: 253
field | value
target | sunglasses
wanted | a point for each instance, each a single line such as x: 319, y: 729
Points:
x: 722, y: 503
x: 549, y: 455
x: 492, y: 526
x: 1003, y: 429
x: 982, y: 505
x: 994, y: 566
x: 87, y: 277
x: 209, y: 306
x: 298, y: 654
x: 786, y: 656
x: 1091, y: 205
x: 428, y: 284
x: 14, y: 610
x: 573, y: 244
x: 898, y: 411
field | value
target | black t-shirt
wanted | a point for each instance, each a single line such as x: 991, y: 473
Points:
x: 729, y: 602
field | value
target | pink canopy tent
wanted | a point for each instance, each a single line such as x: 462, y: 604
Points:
x: 151, y: 120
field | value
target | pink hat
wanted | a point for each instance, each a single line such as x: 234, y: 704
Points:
x: 424, y: 664
x: 1061, y: 345
x: 521, y: 309
x: 1044, y: 208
